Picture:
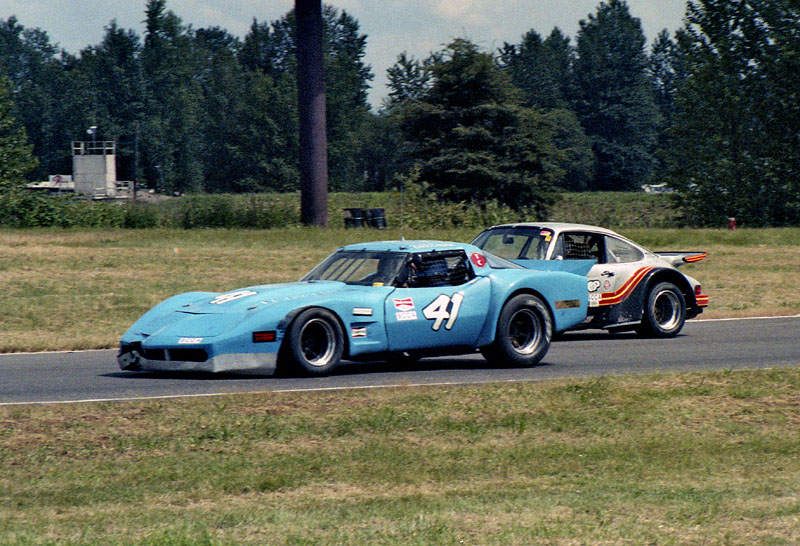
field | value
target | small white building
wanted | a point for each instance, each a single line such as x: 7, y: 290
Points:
x: 94, y: 170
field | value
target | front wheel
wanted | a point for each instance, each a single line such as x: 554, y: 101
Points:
x: 664, y: 312
x: 524, y: 331
x: 314, y: 342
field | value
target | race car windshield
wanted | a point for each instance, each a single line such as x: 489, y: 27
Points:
x: 516, y: 243
x: 360, y: 268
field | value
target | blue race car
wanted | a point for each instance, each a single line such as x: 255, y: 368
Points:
x: 378, y: 300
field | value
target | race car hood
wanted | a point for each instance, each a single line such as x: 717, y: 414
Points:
x: 246, y: 299
x: 188, y: 314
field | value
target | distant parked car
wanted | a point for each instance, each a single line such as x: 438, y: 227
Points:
x: 630, y: 287
x: 381, y: 300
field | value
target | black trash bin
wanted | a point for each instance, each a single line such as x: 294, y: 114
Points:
x: 353, y: 218
x: 377, y: 218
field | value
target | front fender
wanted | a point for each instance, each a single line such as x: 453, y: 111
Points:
x: 564, y: 294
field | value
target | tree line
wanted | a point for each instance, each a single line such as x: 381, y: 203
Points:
x: 711, y: 110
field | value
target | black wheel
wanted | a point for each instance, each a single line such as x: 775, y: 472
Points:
x: 664, y: 311
x: 314, y: 342
x: 524, y: 331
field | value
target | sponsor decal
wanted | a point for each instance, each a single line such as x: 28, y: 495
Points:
x: 568, y: 304
x: 594, y: 300
x: 594, y: 285
x: 606, y: 285
x: 359, y: 332
x: 190, y: 340
x: 403, y: 304
x: 403, y: 316
x: 478, y: 259
x: 547, y: 234
x: 362, y: 311
x: 226, y: 298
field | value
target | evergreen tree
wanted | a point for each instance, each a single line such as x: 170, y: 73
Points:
x: 667, y: 72
x: 39, y: 85
x: 16, y: 159
x: 736, y: 136
x: 223, y: 85
x: 108, y: 92
x: 542, y: 69
x: 472, y: 140
x: 270, y: 49
x: 408, y: 79
x: 171, y: 135
x: 538, y: 68
x: 614, y: 97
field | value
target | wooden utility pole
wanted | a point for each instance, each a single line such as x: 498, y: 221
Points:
x: 311, y: 106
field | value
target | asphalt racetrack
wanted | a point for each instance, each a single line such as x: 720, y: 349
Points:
x: 702, y: 345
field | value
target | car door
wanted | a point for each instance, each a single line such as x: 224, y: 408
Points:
x: 620, y: 272
x: 442, y: 303
x: 602, y: 278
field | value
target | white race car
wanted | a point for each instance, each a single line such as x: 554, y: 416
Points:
x: 630, y: 287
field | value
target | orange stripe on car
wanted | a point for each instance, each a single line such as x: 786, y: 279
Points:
x: 702, y: 300
x: 612, y: 298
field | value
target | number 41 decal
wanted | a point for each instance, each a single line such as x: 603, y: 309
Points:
x: 437, y: 311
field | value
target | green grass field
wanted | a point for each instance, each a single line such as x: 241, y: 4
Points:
x: 699, y: 459
x: 703, y: 459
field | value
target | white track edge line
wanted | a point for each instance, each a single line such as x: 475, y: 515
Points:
x: 743, y: 318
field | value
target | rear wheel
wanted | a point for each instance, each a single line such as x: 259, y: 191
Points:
x: 314, y: 342
x: 664, y: 312
x: 524, y: 331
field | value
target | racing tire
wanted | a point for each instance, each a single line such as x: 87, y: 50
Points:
x: 664, y: 312
x: 314, y: 342
x: 524, y: 332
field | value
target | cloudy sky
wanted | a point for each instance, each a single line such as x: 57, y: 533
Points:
x: 392, y: 26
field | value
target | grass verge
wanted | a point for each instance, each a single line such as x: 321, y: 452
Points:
x: 82, y: 289
x: 707, y: 458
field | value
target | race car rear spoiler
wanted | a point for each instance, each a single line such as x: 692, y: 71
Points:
x: 678, y: 258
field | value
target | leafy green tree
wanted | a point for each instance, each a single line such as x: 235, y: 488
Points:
x: 573, y: 154
x: 614, y: 97
x: 16, y: 159
x: 736, y: 136
x: 471, y: 139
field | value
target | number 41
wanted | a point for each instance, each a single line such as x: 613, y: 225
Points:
x: 437, y: 310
